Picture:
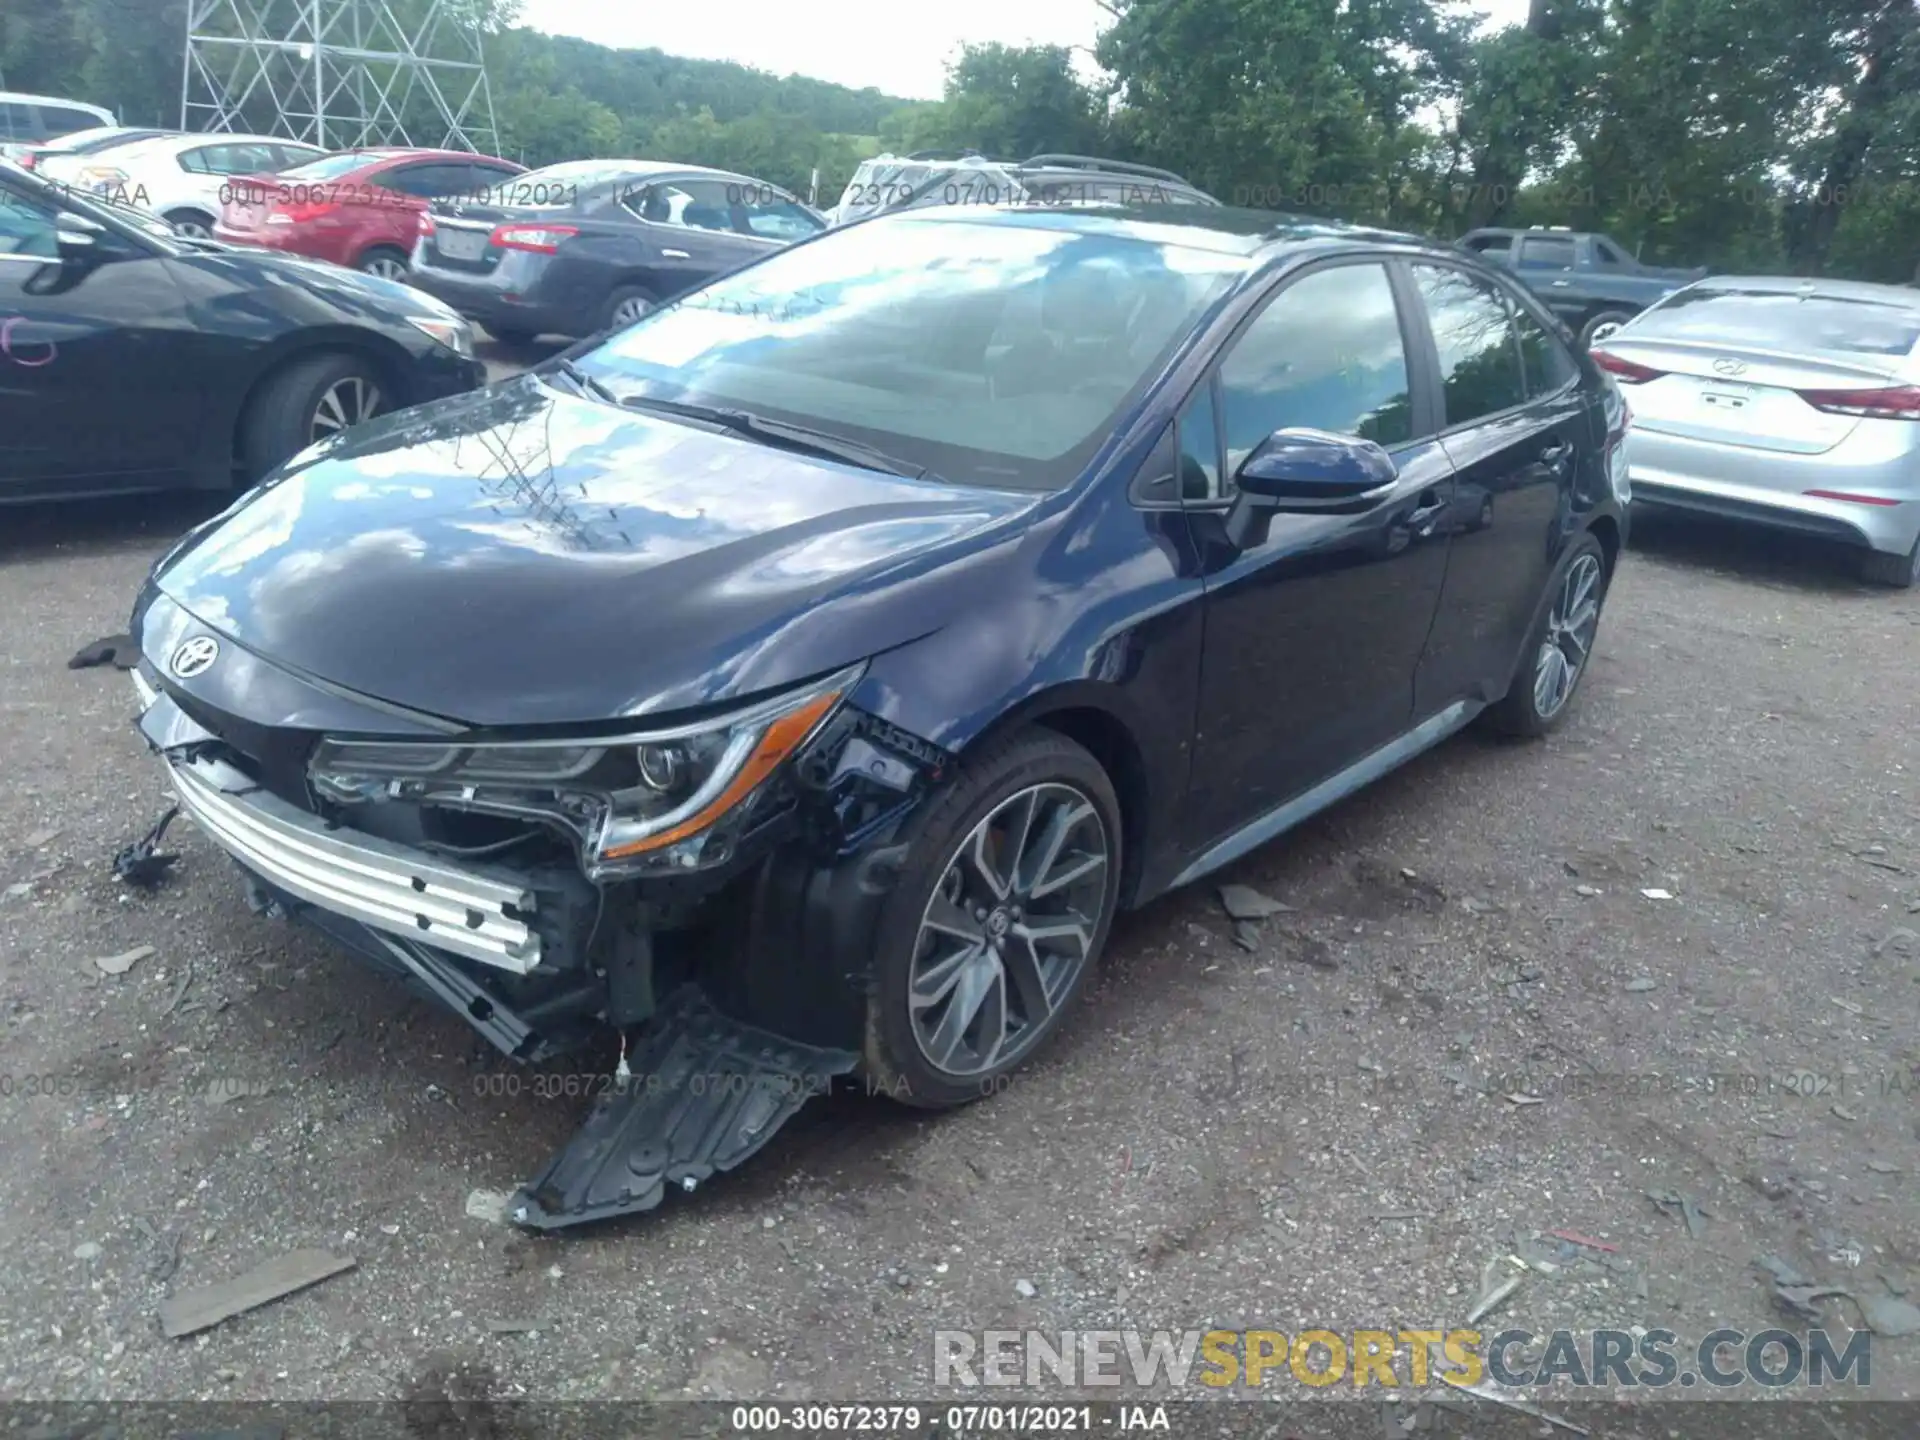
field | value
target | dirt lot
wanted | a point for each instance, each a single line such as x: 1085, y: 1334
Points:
x: 1316, y: 1132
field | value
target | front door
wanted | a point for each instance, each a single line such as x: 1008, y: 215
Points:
x: 93, y: 388
x: 1312, y: 635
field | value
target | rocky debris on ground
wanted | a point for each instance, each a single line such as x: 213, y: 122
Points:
x: 1243, y: 902
x: 123, y: 962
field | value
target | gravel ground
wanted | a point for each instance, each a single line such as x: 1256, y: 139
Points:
x: 1475, y: 1026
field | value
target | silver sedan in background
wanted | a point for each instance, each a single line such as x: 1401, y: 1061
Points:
x: 1794, y: 403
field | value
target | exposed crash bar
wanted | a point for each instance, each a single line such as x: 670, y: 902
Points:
x: 380, y: 884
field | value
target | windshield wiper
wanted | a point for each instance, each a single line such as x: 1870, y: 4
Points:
x: 785, y: 434
x: 585, y: 381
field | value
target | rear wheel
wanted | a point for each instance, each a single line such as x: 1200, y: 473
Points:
x: 1559, y: 647
x: 1898, y: 572
x: 626, y: 305
x: 191, y: 223
x: 387, y: 261
x: 512, y: 337
x: 1000, y: 912
x: 1601, y: 326
x: 308, y: 401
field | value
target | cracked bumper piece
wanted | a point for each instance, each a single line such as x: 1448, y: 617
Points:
x: 384, y: 886
x: 706, y: 1093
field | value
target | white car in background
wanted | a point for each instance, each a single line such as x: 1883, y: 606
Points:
x: 1790, y: 402
x: 182, y: 179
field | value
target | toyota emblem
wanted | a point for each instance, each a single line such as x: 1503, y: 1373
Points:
x: 1729, y: 367
x: 196, y: 657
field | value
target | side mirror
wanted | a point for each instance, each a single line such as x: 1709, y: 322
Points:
x: 1299, y: 471
x: 78, y: 237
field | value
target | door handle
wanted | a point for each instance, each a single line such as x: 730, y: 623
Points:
x: 1431, y: 504
x: 1561, y: 284
x: 677, y: 254
x: 1557, y: 455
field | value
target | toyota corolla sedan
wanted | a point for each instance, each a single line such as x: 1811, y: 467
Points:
x: 1793, y: 403
x: 798, y: 682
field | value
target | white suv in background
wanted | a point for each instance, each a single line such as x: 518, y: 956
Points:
x: 33, y: 119
x: 179, y: 178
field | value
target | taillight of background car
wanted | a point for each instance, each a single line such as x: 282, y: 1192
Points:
x: 541, y: 239
x: 1630, y: 372
x: 1893, y: 402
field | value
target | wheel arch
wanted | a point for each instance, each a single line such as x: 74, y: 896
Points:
x: 388, y: 359
x: 1606, y: 529
x: 1087, y: 714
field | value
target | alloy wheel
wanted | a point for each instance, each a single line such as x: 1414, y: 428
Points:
x: 1008, y: 929
x: 343, y: 404
x: 193, y: 229
x: 631, y: 309
x: 1571, y: 626
x: 1603, y: 332
x: 386, y: 267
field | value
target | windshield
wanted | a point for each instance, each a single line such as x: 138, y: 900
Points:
x: 991, y: 354
x: 1782, y: 320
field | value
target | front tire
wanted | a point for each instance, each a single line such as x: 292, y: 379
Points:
x: 307, y: 402
x: 1000, y: 913
x: 1896, y: 572
x: 1558, y: 648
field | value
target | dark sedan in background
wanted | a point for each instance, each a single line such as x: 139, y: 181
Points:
x: 802, y: 679
x: 593, y: 245
x: 135, y: 359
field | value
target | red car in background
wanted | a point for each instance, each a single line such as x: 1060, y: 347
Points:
x: 359, y: 208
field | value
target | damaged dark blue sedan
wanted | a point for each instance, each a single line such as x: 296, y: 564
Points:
x: 796, y: 682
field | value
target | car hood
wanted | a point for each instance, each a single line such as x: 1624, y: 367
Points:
x: 353, y: 289
x: 525, y: 556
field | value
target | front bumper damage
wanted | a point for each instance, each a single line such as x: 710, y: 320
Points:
x: 755, y: 1012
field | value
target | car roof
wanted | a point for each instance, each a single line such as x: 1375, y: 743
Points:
x: 1898, y: 296
x: 174, y: 143
x: 1222, y: 229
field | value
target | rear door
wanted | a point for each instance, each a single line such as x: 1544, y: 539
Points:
x: 1517, y: 430
x: 689, y: 232
x: 1547, y: 263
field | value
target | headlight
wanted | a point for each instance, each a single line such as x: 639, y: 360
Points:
x: 665, y: 799
x: 456, y: 335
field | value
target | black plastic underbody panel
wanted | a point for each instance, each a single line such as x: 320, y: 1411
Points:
x: 705, y: 1094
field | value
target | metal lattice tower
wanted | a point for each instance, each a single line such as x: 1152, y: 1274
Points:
x: 340, y: 74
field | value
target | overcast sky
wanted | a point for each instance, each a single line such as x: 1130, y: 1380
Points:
x: 899, y: 46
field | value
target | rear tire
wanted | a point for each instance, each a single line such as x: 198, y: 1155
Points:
x: 512, y: 337
x: 1896, y: 572
x: 194, y: 224
x: 624, y: 306
x: 389, y: 262
x: 308, y: 401
x: 995, y: 966
x: 1542, y: 691
x: 1600, y: 326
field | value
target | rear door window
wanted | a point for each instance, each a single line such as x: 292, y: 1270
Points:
x: 1491, y: 244
x: 1545, y: 360
x: 688, y: 205
x: 65, y: 120
x: 1473, y: 332
x: 17, y: 122
x: 1783, y: 320
x: 426, y: 182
